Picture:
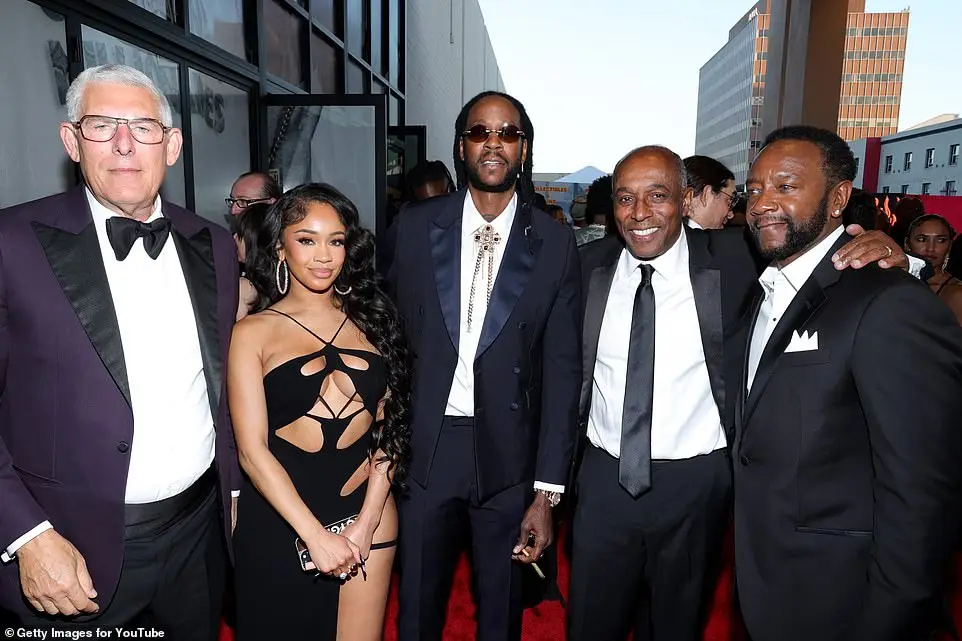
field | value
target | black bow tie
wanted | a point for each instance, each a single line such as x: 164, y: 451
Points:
x: 124, y: 232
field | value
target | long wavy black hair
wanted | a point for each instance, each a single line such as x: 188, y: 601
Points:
x: 525, y: 184
x: 365, y: 304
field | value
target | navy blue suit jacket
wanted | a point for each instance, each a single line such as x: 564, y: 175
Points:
x: 528, y: 364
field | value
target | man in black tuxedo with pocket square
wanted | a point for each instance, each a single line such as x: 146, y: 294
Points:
x: 489, y: 290
x: 665, y: 306
x: 847, y: 448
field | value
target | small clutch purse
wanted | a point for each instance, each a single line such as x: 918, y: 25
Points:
x: 304, y: 555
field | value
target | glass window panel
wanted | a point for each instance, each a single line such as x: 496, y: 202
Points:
x: 376, y: 10
x: 356, y: 78
x: 330, y: 13
x: 284, y: 43
x: 166, y: 9
x: 324, y: 65
x: 336, y: 145
x: 220, y: 22
x: 395, y: 41
x: 394, y: 111
x: 359, y: 27
x: 220, y: 130
x: 100, y: 48
x: 35, y: 39
x: 377, y: 87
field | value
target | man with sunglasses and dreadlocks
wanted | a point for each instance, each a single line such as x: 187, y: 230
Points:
x: 489, y: 288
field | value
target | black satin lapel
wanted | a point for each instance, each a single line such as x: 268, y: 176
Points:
x: 197, y: 260
x: 706, y: 285
x: 806, y: 302
x: 516, y: 265
x: 446, y: 253
x: 77, y: 263
x: 742, y: 391
x: 596, y: 300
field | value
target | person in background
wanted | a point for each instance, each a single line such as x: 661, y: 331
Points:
x: 930, y: 237
x: 319, y: 392
x: 578, y: 218
x: 117, y: 457
x: 252, y: 187
x: 248, y: 229
x: 863, y: 210
x: 598, y: 211
x: 429, y: 179
x: 539, y: 201
x: 558, y: 213
x: 713, y: 197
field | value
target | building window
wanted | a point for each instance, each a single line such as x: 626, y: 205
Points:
x: 949, y: 187
x: 929, y: 157
x: 907, y: 166
x: 905, y: 189
x: 885, y: 190
x: 858, y: 162
x: 284, y: 31
x: 953, y: 155
x: 220, y: 22
x: 888, y: 164
x: 926, y: 189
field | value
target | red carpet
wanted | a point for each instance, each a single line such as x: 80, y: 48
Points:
x: 546, y: 621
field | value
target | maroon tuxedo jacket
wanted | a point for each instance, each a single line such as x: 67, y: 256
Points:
x: 65, y: 413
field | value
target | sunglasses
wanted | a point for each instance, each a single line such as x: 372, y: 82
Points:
x: 480, y: 133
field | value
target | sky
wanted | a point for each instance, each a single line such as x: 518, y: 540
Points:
x: 599, y: 77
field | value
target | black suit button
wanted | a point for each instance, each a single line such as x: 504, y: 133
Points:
x: 522, y: 325
x: 514, y: 407
x: 745, y: 460
x: 516, y: 370
x: 123, y: 446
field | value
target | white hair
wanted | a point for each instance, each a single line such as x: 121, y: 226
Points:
x: 114, y: 74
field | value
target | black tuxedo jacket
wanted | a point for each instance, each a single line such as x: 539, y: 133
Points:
x: 848, y: 461
x: 723, y: 275
x: 527, y: 369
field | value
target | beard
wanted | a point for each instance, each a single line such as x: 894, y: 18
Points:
x: 798, y: 237
x: 510, y: 177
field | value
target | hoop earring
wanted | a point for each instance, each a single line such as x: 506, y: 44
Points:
x: 277, y: 277
x: 340, y: 293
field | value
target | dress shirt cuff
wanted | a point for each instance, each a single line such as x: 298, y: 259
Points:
x: 549, y: 487
x: 915, y: 266
x: 10, y: 552
x: 234, y: 494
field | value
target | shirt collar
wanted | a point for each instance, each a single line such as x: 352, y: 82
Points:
x: 694, y: 224
x: 101, y: 213
x: 472, y: 218
x: 670, y: 265
x: 800, y: 269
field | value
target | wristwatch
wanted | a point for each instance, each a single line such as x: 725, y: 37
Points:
x: 553, y: 497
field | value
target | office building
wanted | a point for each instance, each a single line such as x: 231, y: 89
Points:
x: 731, y: 85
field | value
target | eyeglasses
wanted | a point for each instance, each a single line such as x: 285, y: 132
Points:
x: 480, y: 133
x: 146, y: 131
x: 244, y: 203
x: 733, y: 198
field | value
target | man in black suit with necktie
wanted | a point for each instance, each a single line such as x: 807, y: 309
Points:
x: 490, y: 293
x: 847, y: 451
x: 654, y: 481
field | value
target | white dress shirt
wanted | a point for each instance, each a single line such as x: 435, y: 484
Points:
x: 173, y: 442
x: 685, y: 421
x: 780, y: 287
x: 461, y: 397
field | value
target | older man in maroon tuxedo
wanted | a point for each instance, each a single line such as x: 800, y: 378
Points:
x: 116, y: 453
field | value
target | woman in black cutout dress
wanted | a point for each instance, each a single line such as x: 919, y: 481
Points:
x: 318, y: 389
x: 930, y: 237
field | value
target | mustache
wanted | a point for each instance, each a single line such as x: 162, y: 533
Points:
x: 757, y: 223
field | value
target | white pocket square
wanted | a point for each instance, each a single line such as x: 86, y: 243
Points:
x: 803, y: 342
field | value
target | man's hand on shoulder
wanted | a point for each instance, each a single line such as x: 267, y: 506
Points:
x: 54, y: 576
x: 869, y: 247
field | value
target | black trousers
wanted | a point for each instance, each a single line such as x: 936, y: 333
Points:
x: 435, y: 523
x: 647, y: 565
x: 173, y: 573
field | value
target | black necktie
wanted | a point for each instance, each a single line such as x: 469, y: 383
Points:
x: 124, y: 232
x: 634, y: 465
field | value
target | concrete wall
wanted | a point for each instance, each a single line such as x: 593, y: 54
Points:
x: 449, y: 60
